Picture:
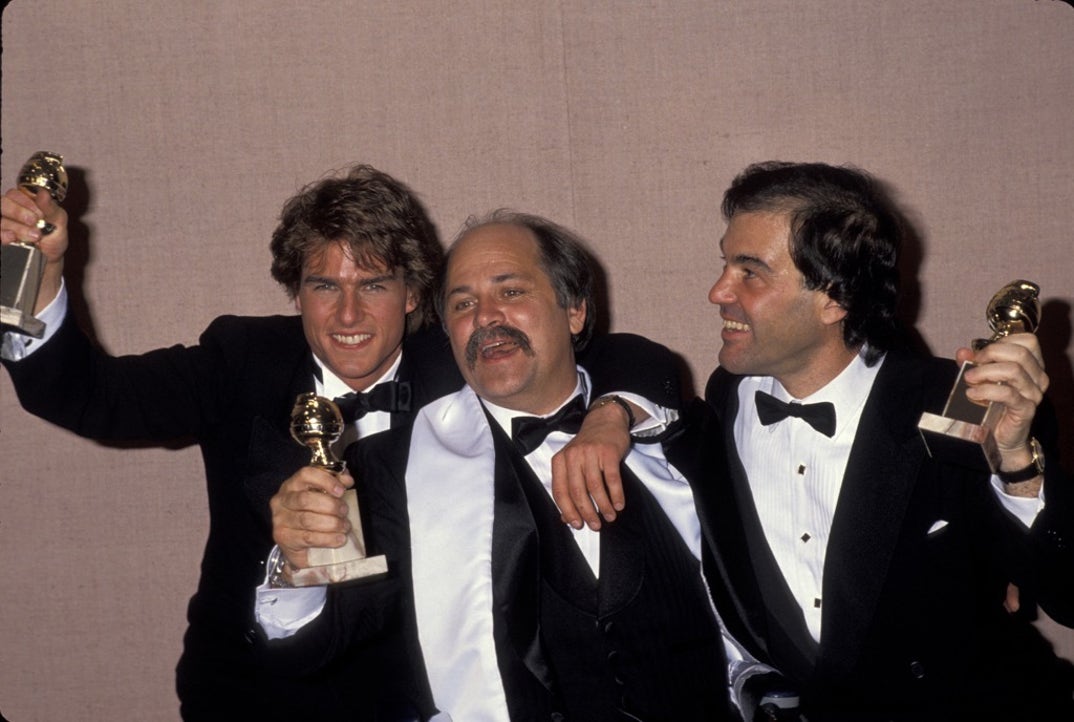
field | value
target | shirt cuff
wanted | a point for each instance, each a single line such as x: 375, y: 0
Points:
x: 1023, y: 508
x: 660, y: 417
x: 283, y: 612
x: 16, y: 346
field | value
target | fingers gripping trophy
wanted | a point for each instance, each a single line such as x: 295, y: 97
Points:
x: 964, y: 431
x: 316, y: 424
x: 23, y: 263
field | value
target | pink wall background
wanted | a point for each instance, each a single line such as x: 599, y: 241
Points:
x: 186, y: 125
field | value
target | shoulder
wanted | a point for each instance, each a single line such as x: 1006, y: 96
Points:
x: 428, y: 364
x: 721, y: 384
x: 629, y: 362
x: 267, y: 328
x: 262, y: 336
x: 916, y: 379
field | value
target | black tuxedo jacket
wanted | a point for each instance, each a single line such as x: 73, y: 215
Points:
x: 913, y: 624
x: 232, y: 394
x: 376, y: 618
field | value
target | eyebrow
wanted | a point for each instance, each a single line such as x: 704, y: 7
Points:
x: 500, y: 278
x: 315, y: 278
x: 744, y: 259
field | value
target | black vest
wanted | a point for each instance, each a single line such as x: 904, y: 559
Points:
x: 640, y: 644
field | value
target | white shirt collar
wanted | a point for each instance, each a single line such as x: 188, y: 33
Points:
x: 847, y: 391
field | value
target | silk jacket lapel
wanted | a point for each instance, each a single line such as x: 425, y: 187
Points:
x: 877, y: 487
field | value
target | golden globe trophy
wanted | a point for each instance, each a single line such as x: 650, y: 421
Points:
x: 964, y: 431
x: 23, y: 263
x: 316, y: 424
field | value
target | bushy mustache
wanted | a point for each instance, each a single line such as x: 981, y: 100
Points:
x: 485, y: 334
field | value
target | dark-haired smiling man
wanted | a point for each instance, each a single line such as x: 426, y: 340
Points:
x: 871, y: 575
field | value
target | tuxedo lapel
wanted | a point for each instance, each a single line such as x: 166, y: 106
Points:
x: 516, y: 573
x: 623, y: 549
x: 272, y: 454
x: 873, y: 499
x: 698, y: 450
x: 776, y: 622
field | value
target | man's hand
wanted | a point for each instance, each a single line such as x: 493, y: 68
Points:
x: 585, y: 473
x: 1011, y: 372
x: 307, y: 512
x: 19, y: 214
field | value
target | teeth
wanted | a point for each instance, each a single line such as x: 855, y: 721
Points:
x: 352, y: 338
x: 735, y: 325
x: 495, y: 346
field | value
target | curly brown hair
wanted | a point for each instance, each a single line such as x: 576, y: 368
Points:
x: 377, y: 216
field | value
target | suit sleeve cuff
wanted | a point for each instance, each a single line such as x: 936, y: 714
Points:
x: 1024, y: 509
x: 283, y: 612
x: 17, y: 346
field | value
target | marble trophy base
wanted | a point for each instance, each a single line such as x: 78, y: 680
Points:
x: 348, y: 562
x: 962, y: 434
x: 23, y: 265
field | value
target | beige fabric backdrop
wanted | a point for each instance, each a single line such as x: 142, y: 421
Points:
x: 186, y: 125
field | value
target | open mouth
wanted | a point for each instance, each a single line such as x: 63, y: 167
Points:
x: 492, y: 343
x: 498, y: 349
x: 729, y: 325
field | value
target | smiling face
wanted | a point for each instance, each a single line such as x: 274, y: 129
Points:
x: 772, y: 324
x: 510, y: 337
x: 354, y: 317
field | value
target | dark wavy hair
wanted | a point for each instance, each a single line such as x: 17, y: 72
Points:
x: 378, y: 217
x: 564, y: 259
x: 845, y: 239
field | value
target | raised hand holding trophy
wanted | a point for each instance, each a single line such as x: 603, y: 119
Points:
x: 316, y: 423
x: 964, y: 431
x: 23, y: 263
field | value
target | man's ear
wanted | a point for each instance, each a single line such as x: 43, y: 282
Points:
x: 831, y: 311
x: 576, y: 318
x: 411, y: 299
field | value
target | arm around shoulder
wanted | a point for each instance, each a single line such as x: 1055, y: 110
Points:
x: 632, y: 363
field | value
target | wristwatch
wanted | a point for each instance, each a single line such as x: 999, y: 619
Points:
x: 621, y: 403
x: 1035, y: 468
x: 277, y: 570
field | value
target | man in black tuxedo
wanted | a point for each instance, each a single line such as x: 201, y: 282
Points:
x: 504, y: 611
x: 874, y: 576
x: 358, y: 256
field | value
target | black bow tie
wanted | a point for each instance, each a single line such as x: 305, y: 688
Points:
x: 391, y: 396
x: 820, y: 416
x: 529, y: 432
